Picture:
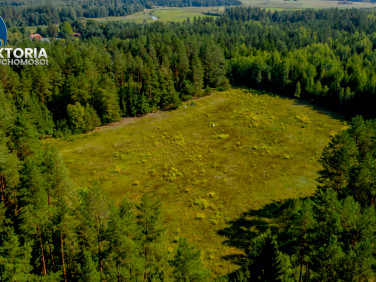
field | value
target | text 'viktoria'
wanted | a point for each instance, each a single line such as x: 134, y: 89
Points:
x: 27, y: 56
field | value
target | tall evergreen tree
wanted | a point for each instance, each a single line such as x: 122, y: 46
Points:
x: 264, y: 260
x: 187, y: 263
x: 149, y: 221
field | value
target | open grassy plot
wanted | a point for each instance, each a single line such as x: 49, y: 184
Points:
x: 136, y: 17
x: 209, y: 161
x: 180, y: 14
x: 166, y: 14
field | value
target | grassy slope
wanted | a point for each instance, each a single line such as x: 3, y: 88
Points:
x: 209, y: 162
x: 180, y: 14
x: 136, y: 17
x: 166, y: 14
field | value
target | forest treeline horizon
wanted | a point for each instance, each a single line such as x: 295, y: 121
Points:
x: 41, y: 12
x: 127, y: 69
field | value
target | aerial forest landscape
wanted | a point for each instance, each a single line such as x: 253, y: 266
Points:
x: 187, y: 140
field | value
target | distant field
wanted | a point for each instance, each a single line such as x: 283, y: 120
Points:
x: 304, y: 4
x: 209, y: 161
x: 180, y: 14
x: 137, y: 17
x: 166, y: 14
x: 171, y: 14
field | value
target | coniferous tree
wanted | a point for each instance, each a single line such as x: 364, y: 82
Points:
x: 123, y: 260
x: 169, y: 96
x: 89, y: 271
x: 97, y: 217
x: 151, y: 230
x: 264, y: 262
x: 348, y: 162
x: 14, y: 257
x: 187, y: 263
x: 197, y: 75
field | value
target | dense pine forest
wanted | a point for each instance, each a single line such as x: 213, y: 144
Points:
x: 41, y: 12
x: 50, y: 229
x: 127, y: 69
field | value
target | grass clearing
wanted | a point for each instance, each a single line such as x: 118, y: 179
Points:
x: 136, y: 17
x: 166, y: 14
x: 210, y: 161
x: 181, y: 14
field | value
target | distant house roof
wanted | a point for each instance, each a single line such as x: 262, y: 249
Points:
x: 36, y: 36
x: 76, y: 34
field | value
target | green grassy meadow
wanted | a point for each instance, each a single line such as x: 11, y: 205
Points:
x: 210, y: 161
x: 136, y: 17
x: 166, y: 14
x: 180, y: 14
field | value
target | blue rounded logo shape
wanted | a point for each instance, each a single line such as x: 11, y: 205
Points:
x: 3, y: 33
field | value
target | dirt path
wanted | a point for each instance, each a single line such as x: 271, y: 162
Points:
x: 121, y: 123
x: 129, y: 120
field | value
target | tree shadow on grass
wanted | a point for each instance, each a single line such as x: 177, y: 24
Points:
x: 243, y: 230
x: 313, y: 105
